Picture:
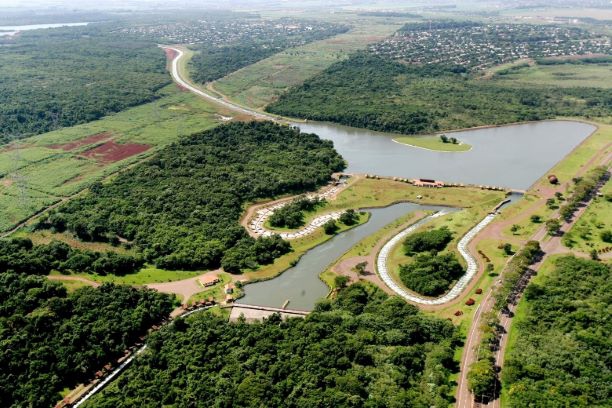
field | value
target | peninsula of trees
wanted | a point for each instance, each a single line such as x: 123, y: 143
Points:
x: 181, y: 208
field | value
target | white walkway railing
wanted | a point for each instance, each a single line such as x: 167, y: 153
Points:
x: 472, y: 266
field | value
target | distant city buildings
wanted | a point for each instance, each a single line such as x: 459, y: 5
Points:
x: 476, y: 46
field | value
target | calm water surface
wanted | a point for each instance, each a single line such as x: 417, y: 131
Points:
x: 510, y: 156
x: 301, y: 284
x: 11, y: 30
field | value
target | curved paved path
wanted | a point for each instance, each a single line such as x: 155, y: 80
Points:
x: 176, y: 75
x: 462, y: 246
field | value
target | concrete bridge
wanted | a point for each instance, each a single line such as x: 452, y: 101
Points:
x: 253, y: 313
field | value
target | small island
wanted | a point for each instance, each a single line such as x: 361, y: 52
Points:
x: 440, y: 143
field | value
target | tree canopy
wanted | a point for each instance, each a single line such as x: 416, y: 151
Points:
x: 362, y: 349
x: 562, y: 348
x: 51, y: 340
x: 62, y: 77
x: 181, y: 209
x: 431, y: 274
x: 375, y: 92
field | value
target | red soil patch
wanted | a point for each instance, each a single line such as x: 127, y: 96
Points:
x: 111, y: 152
x: 170, y: 54
x: 98, y: 137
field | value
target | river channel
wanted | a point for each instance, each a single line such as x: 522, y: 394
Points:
x: 509, y: 156
x: 301, y: 284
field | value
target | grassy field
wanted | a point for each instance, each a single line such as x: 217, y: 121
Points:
x: 364, y: 193
x: 366, y: 245
x: 148, y: 274
x: 261, y: 83
x: 585, y: 235
x: 37, y: 173
x: 216, y: 292
x: 432, y: 143
x: 563, y: 75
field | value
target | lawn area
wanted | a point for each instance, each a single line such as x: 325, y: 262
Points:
x: 72, y: 285
x: 366, y: 245
x: 364, y: 193
x: 261, y: 83
x: 433, y: 143
x: 217, y: 291
x: 42, y: 169
x: 577, y: 160
x: 46, y: 236
x: 585, y: 235
x: 146, y: 275
x: 562, y: 75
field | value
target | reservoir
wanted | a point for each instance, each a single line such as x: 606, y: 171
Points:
x: 301, y: 284
x: 11, y: 30
x: 512, y: 156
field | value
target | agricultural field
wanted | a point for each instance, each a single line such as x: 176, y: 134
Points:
x: 259, y: 84
x: 48, y: 167
x: 575, y: 74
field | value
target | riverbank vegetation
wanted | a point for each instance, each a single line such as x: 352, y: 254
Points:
x: 184, y: 204
x: 373, y: 92
x: 54, y: 340
x: 363, y: 348
x: 562, y: 325
x: 66, y: 76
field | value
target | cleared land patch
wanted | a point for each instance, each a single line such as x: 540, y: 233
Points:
x: 67, y: 147
x: 49, y: 166
x: 111, y: 151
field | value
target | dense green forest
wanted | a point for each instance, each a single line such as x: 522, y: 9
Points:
x: 376, y: 93
x: 181, y: 208
x: 65, y: 76
x: 562, y: 349
x: 51, y: 340
x: 431, y: 274
x: 22, y: 256
x: 431, y: 240
x: 363, y: 349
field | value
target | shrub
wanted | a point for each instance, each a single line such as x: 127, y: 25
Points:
x: 433, y: 240
x: 330, y: 227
